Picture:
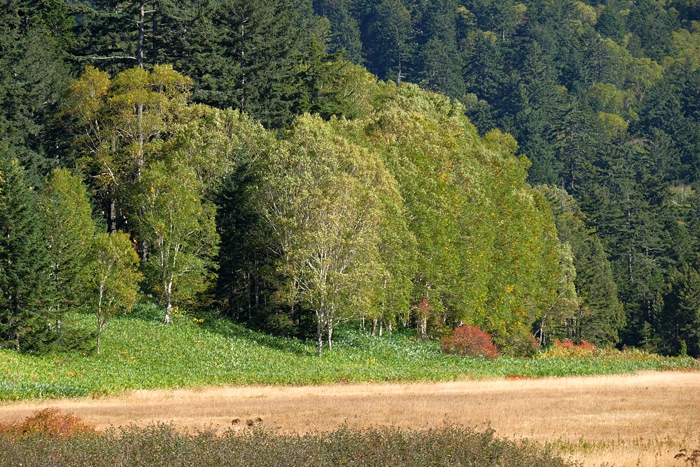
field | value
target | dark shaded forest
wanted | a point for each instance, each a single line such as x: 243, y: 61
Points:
x: 529, y: 168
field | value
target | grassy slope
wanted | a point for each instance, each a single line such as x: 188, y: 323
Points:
x: 140, y: 353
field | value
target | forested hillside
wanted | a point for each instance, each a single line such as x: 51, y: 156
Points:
x: 528, y: 168
x: 602, y: 97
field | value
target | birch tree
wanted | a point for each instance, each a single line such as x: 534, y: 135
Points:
x: 180, y: 228
x: 319, y: 199
x: 119, y: 126
x: 113, y: 278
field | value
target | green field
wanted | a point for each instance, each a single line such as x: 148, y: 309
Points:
x: 138, y: 352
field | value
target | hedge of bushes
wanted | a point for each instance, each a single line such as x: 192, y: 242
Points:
x: 51, y: 439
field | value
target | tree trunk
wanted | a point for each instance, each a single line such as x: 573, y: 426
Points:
x: 168, y: 301
x: 100, y: 319
x: 330, y: 336
x: 242, y: 58
x: 154, y: 51
x: 141, y: 140
x: 112, y: 215
x: 423, y: 327
x: 319, y: 335
x: 374, y: 327
x: 249, y: 283
x: 140, y: 23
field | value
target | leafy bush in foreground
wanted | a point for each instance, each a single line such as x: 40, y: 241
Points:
x: 163, y: 445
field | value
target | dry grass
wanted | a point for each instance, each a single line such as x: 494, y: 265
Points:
x: 623, y: 420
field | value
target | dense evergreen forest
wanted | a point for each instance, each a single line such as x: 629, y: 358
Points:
x: 529, y: 168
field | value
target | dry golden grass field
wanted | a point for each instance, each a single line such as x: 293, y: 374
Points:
x: 643, y: 419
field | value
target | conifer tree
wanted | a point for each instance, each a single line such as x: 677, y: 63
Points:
x: 33, y: 76
x: 26, y: 320
x: 679, y: 319
x: 388, y: 40
x: 242, y: 55
x: 599, y: 317
x: 345, y: 32
x: 69, y: 229
x: 441, y: 68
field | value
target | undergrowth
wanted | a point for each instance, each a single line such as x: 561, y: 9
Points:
x: 162, y: 445
x: 140, y: 353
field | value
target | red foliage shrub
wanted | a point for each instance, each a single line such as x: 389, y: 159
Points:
x: 49, y: 422
x: 568, y: 344
x: 471, y: 341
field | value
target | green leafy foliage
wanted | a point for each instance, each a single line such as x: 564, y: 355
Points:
x: 318, y: 199
x: 119, y: 126
x: 180, y: 229
x: 111, y: 277
x: 601, y: 97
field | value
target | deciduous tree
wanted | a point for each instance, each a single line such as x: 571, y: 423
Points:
x: 179, y: 225
x: 112, y: 277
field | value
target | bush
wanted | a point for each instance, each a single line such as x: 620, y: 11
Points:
x: 163, y: 445
x: 470, y: 341
x: 568, y: 344
x: 519, y: 343
x: 48, y: 422
x: 567, y: 349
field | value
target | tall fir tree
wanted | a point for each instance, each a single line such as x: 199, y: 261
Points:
x: 599, y: 316
x: 68, y: 230
x: 388, y: 40
x: 243, y: 55
x: 679, y: 319
x: 27, y: 322
x: 345, y: 32
x: 33, y: 77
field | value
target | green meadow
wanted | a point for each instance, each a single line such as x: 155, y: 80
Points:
x: 141, y: 353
